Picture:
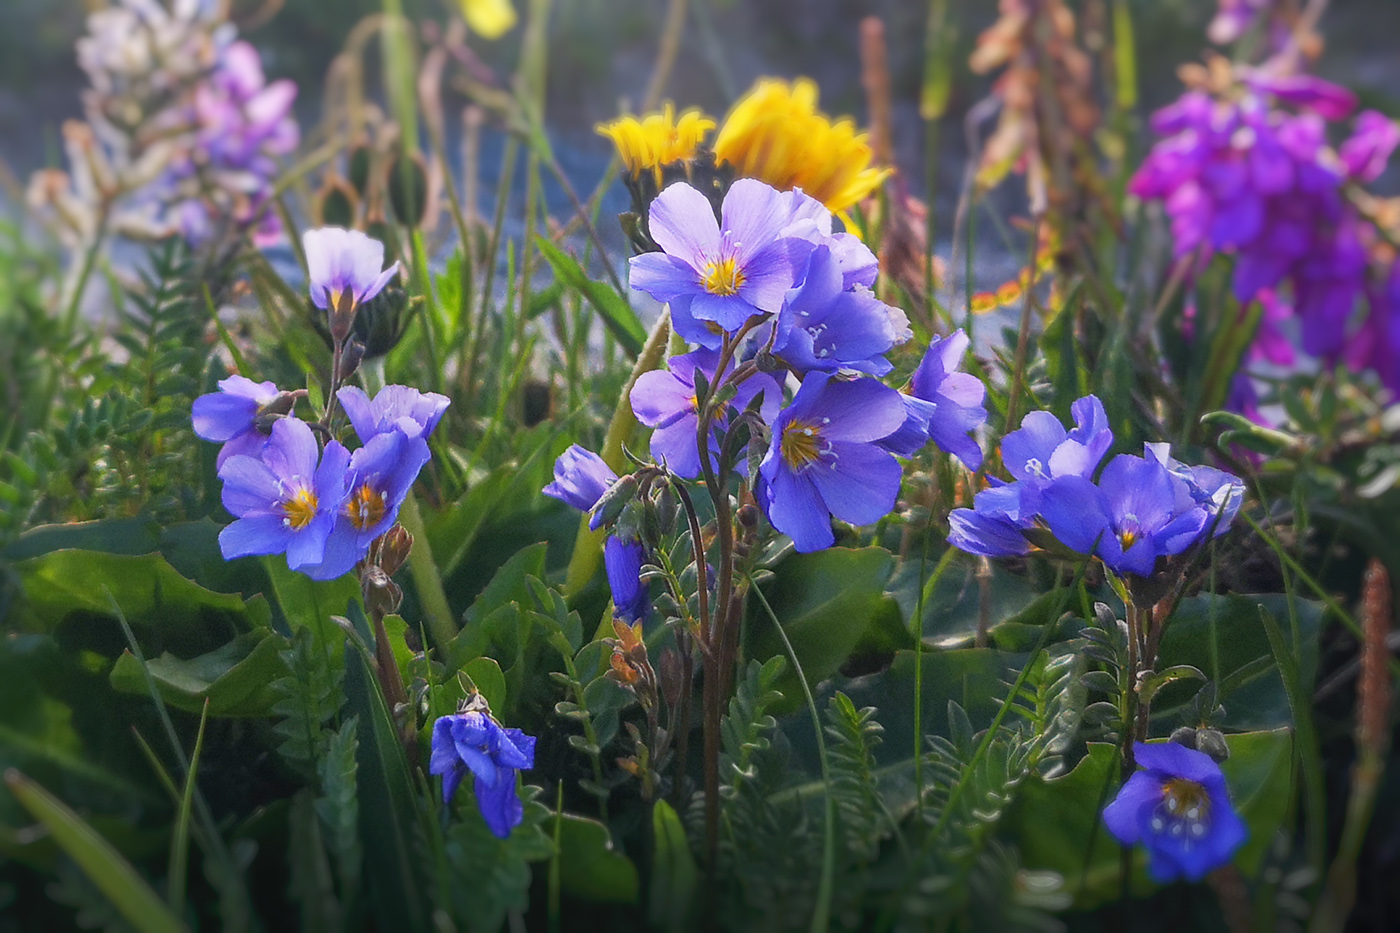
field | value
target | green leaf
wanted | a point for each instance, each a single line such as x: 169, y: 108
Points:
x: 236, y: 679
x: 674, y: 875
x: 307, y: 603
x: 825, y: 601
x: 619, y: 318
x: 590, y: 867
x: 103, y: 865
x: 508, y: 588
x: 486, y: 674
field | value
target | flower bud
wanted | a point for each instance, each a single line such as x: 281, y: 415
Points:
x: 394, y: 547
x: 610, y: 504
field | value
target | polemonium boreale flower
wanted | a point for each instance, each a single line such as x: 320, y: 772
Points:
x: 994, y: 526
x: 1041, y: 449
x: 665, y: 400
x: 230, y: 415
x: 472, y: 742
x: 1216, y: 491
x: 1131, y: 518
x: 393, y: 408
x: 344, y: 266
x: 824, y: 461
x: 285, y: 501
x: 716, y: 274
x: 1178, y: 808
x: 623, y: 558
x: 824, y: 326
x: 942, y: 404
x: 378, y: 479
x: 810, y: 225
x: 580, y: 479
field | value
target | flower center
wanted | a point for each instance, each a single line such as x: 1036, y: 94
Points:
x: 723, y: 278
x: 365, y: 507
x: 801, y: 444
x: 1127, y: 539
x: 1184, y: 811
x: 299, y: 509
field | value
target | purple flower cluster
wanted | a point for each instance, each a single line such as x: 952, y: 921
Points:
x: 1139, y: 509
x: 472, y: 742
x: 322, y: 506
x: 1178, y: 807
x: 769, y: 284
x: 1245, y: 176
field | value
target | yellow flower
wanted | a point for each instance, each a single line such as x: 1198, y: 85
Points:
x: 776, y: 134
x: 489, y: 19
x: 657, y: 140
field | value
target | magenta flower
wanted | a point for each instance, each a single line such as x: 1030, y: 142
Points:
x: 824, y: 461
x: 665, y: 400
x: 716, y: 274
x: 344, y: 265
x: 394, y: 408
x: 229, y: 416
x: 286, y: 501
x: 1178, y: 807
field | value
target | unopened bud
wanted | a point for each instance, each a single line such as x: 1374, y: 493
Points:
x: 382, y: 595
x: 1212, y: 743
x: 611, y: 503
x: 1184, y: 735
x: 394, y: 546
x: 350, y: 359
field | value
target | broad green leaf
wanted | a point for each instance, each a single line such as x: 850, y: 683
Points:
x: 234, y: 679
x: 674, y: 875
x: 509, y: 589
x: 590, y: 867
x: 104, y: 865
x: 306, y: 603
x: 619, y: 318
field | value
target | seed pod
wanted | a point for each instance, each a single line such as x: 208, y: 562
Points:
x: 337, y: 203
x: 360, y: 164
x: 408, y: 190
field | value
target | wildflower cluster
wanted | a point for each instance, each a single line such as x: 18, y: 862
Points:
x: 182, y: 129
x: 1137, y: 511
x: 293, y: 487
x: 1245, y: 169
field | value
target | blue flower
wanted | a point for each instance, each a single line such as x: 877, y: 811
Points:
x: 809, y: 226
x: 1137, y: 513
x: 378, y: 479
x: 1178, y: 808
x: 286, y: 501
x: 344, y: 266
x: 580, y: 479
x: 1042, y: 449
x: 825, y: 326
x: 472, y: 741
x: 716, y: 275
x: 400, y: 408
x: 665, y: 400
x: 229, y: 416
x: 623, y: 559
x: 942, y: 404
x: 1214, y: 490
x: 993, y: 526
x: 824, y: 461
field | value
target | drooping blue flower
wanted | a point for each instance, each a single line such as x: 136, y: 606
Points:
x: 825, y: 326
x: 229, y: 416
x: 824, y: 461
x: 580, y: 479
x: 942, y: 404
x: 393, y: 408
x: 665, y: 400
x: 1136, y: 514
x: 716, y: 275
x: 473, y: 742
x: 1178, y: 807
x: 378, y: 479
x: 622, y: 560
x: 284, y: 501
x: 993, y: 526
x: 344, y: 265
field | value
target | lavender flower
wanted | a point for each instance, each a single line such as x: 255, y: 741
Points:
x: 473, y: 742
x: 580, y: 479
x: 378, y: 479
x: 229, y: 416
x: 994, y: 526
x: 809, y: 226
x: 1178, y: 807
x: 285, y: 501
x: 394, y: 408
x: 942, y: 404
x: 665, y: 400
x: 716, y: 275
x: 622, y: 561
x: 824, y: 461
x: 344, y: 266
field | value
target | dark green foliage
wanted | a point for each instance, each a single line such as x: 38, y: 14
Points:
x: 497, y: 870
x: 854, y: 735
x: 307, y: 699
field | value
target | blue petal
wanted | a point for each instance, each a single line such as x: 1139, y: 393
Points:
x: 796, y: 509
x: 499, y: 804
x: 1076, y: 512
x: 858, y: 483
x: 1124, y: 815
x: 1026, y: 452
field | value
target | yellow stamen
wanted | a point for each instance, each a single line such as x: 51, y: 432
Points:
x: 300, y: 509
x: 365, y: 507
x: 723, y: 278
x: 1185, y: 798
x: 801, y: 444
x: 1127, y: 539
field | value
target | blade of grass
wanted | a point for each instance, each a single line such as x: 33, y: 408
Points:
x: 180, y: 841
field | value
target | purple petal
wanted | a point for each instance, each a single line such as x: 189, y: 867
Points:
x: 1123, y: 816
x: 683, y: 224
x: 796, y: 509
x: 860, y: 484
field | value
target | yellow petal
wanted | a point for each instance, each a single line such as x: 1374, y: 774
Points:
x: 490, y: 19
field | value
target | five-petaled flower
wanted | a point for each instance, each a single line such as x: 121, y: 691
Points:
x: 285, y: 500
x: 346, y: 268
x: 472, y: 741
x: 393, y: 408
x: 1178, y: 808
x: 824, y: 461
